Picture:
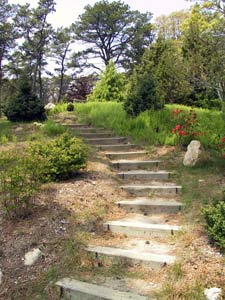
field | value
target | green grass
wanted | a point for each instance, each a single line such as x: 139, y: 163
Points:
x: 52, y: 129
x: 151, y: 127
x: 5, y: 131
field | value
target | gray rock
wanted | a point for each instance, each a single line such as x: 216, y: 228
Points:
x: 32, y: 256
x: 49, y: 106
x: 193, y: 154
x: 1, y: 276
x: 213, y: 294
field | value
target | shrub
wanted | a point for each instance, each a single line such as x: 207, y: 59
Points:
x: 63, y: 156
x: 19, y: 182
x: 110, y: 87
x: 70, y: 107
x: 24, y: 105
x: 215, y: 222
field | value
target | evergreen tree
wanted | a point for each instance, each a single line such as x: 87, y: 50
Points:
x: 24, y: 105
x: 110, y: 87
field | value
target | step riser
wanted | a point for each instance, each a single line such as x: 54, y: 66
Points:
x: 139, y: 232
x: 151, y: 209
x: 155, y: 265
x: 148, y: 192
x: 136, y: 166
x: 144, y: 177
x: 116, y: 148
x: 70, y: 295
x: 106, y: 141
x: 95, y: 135
x: 124, y: 156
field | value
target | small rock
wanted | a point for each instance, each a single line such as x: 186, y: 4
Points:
x: 49, y: 106
x: 193, y: 153
x: 213, y: 294
x: 32, y: 256
x: 1, y: 276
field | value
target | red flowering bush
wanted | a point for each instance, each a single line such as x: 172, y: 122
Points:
x: 187, y: 126
x: 221, y: 146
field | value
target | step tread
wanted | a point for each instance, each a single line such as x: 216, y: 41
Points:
x: 149, y: 202
x: 107, y: 138
x: 133, y: 254
x: 142, y: 225
x: 127, y: 161
x: 125, y: 152
x: 97, y: 290
x: 142, y: 186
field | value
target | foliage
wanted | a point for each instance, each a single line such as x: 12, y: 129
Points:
x: 151, y: 127
x: 110, y: 87
x: 111, y: 29
x: 64, y: 156
x: 80, y: 87
x: 141, y: 93
x: 52, y: 129
x: 221, y: 146
x: 70, y: 107
x: 215, y: 221
x: 19, y: 183
x: 187, y: 125
x: 24, y: 106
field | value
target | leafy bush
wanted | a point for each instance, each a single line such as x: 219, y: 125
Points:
x: 63, y: 156
x: 19, y: 182
x: 52, y: 129
x: 70, y: 107
x: 215, y: 222
x: 24, y: 105
x: 110, y: 87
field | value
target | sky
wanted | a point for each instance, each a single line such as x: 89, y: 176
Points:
x: 67, y: 11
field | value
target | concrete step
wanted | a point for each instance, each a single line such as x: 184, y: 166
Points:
x: 89, y: 129
x: 147, y: 190
x: 127, y: 165
x: 133, y: 256
x: 72, y: 289
x: 144, y: 175
x: 77, y: 126
x: 150, y: 206
x: 140, y: 228
x: 116, y: 147
x: 106, y: 141
x: 95, y: 135
x: 124, y: 154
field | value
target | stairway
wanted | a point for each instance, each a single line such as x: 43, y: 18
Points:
x: 151, y: 204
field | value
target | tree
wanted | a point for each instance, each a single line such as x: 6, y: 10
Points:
x: 24, y: 106
x: 60, y: 49
x: 112, y: 29
x: 37, y: 33
x: 7, y: 37
x: 80, y: 88
x: 110, y: 87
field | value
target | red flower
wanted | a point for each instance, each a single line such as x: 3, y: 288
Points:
x: 195, y: 134
x: 173, y: 130
x: 182, y: 132
x: 223, y: 155
x: 223, y: 140
x: 178, y: 127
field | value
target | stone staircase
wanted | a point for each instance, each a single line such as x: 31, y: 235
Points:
x: 150, y: 208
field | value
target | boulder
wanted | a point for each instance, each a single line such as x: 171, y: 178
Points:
x: 213, y: 294
x: 49, y: 106
x: 32, y: 256
x: 193, y: 154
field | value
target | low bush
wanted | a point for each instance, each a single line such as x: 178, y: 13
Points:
x: 63, y: 156
x: 215, y: 222
x: 19, y: 182
x: 70, y: 107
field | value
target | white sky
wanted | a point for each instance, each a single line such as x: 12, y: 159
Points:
x: 67, y: 11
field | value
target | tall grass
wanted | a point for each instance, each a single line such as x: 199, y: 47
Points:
x: 61, y: 107
x: 5, y: 131
x: 52, y: 129
x: 151, y: 127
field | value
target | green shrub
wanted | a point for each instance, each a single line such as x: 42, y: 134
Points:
x: 19, y: 182
x: 24, y: 105
x: 215, y: 222
x: 70, y: 107
x: 110, y: 87
x: 63, y: 156
x: 52, y: 129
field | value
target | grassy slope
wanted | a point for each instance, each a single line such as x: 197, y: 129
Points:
x: 151, y: 127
